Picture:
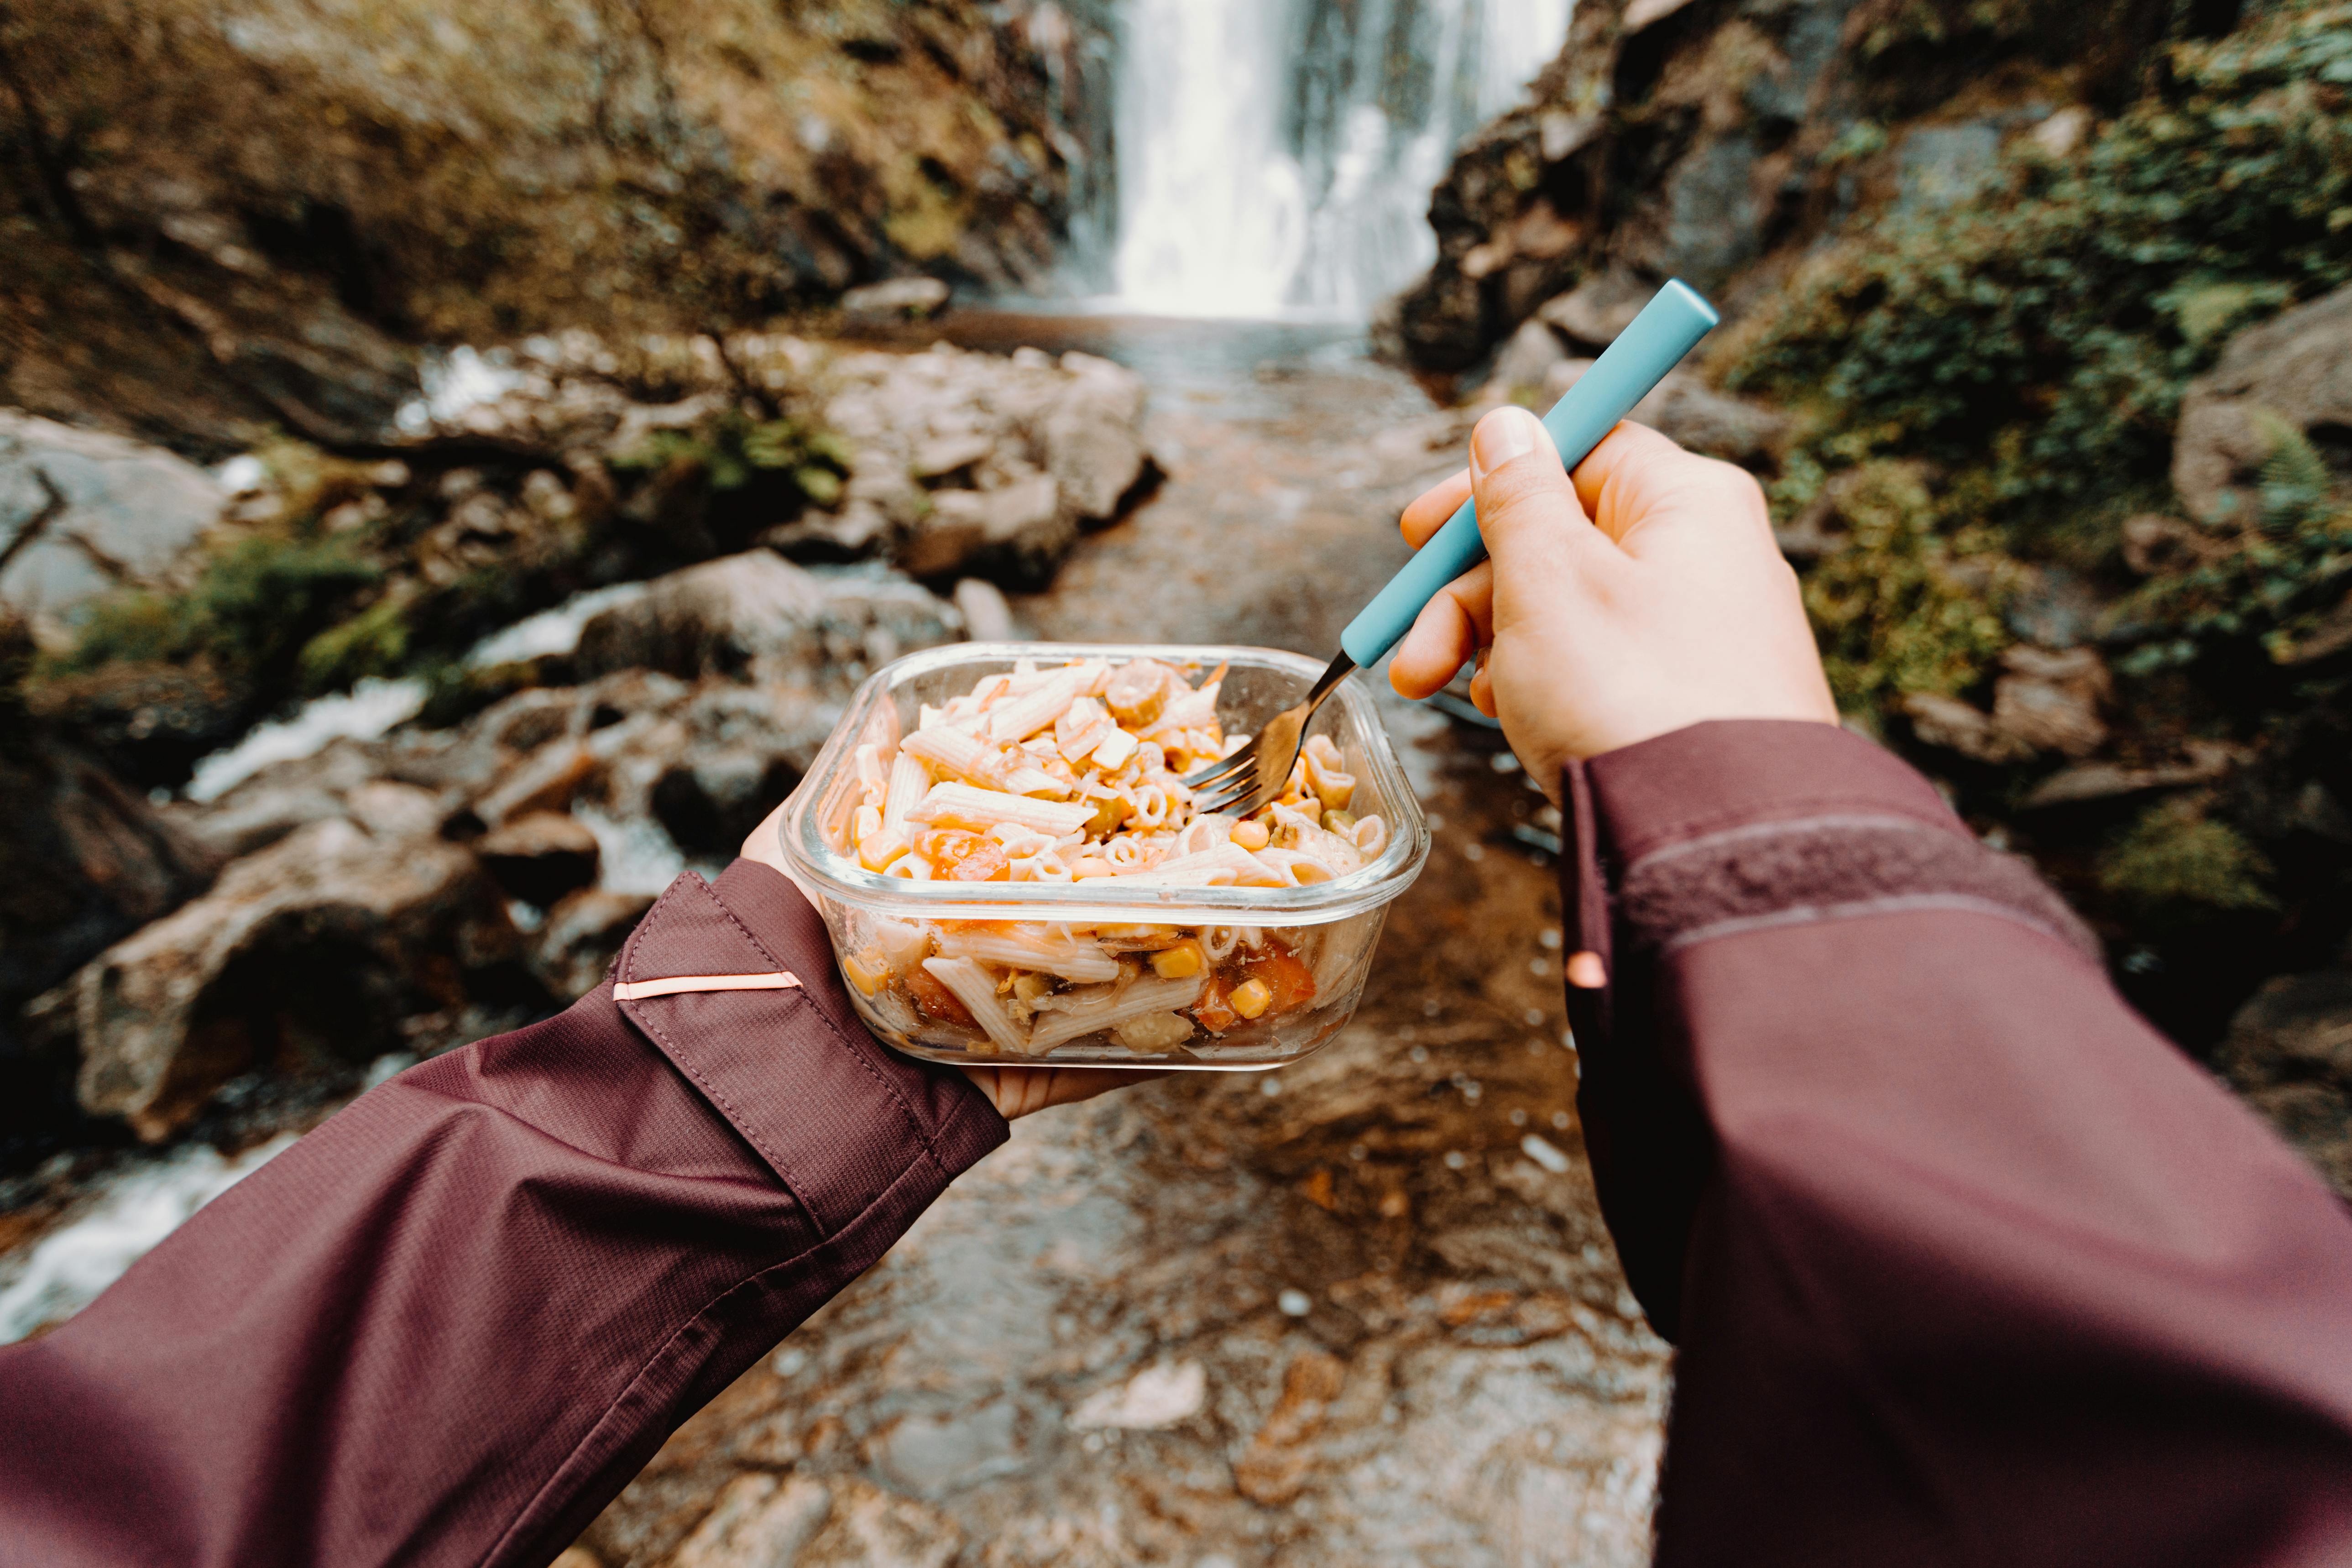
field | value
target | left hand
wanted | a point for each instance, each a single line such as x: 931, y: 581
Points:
x: 1015, y: 1091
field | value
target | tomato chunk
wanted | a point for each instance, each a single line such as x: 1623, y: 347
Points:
x: 1290, y: 981
x: 934, y: 1000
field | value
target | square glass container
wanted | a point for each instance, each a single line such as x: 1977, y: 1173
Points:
x: 1324, y: 931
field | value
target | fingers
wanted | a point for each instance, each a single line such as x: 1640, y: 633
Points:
x: 1637, y: 476
x: 1451, y: 628
x: 1526, y: 504
x: 1020, y: 1091
x: 1431, y: 508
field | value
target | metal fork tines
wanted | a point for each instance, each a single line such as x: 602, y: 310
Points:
x: 1254, y: 774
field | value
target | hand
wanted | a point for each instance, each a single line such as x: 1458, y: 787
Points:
x: 1015, y: 1091
x: 1645, y: 596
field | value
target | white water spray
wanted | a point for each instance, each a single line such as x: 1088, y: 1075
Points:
x: 1277, y: 156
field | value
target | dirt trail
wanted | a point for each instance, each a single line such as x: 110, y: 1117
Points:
x: 1408, y: 1337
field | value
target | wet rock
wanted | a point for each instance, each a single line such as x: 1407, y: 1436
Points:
x: 1274, y: 1470
x: 1092, y: 439
x: 539, y: 856
x: 2289, y: 1053
x: 391, y: 810
x: 1019, y: 526
x: 871, y: 1528
x: 542, y: 782
x: 758, y: 1522
x: 2296, y: 370
x: 83, y: 512
x: 574, y: 947
x: 711, y: 800
x: 932, y: 1456
x: 308, y: 951
x: 149, y: 722
x: 273, y: 803
x: 758, y: 616
x: 1944, y: 165
x: 898, y: 297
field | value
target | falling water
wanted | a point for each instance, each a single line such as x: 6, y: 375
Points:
x: 1277, y: 156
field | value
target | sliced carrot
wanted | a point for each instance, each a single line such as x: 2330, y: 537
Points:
x: 1212, y: 1012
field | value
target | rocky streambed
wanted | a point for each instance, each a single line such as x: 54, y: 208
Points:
x: 1362, y: 1311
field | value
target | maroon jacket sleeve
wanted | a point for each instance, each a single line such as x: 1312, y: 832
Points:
x: 448, y: 1325
x: 1966, y: 1265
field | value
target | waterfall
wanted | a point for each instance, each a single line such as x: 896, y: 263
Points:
x: 1276, y: 156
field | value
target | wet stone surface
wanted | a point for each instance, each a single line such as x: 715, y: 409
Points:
x: 1345, y: 1313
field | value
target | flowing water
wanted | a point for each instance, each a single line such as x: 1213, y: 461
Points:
x: 1277, y: 156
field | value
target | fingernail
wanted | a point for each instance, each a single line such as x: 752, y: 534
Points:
x: 1506, y: 433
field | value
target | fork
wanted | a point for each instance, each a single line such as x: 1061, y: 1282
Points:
x: 1669, y: 327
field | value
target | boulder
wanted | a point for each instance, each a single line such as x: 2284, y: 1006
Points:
x: 1592, y: 315
x: 1524, y: 366
x: 2294, y: 369
x: 574, y: 947
x: 2289, y: 1053
x: 539, y: 856
x: 307, y: 952
x: 757, y: 616
x: 83, y: 513
x: 2043, y: 701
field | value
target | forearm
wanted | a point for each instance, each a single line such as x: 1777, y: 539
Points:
x: 449, y: 1324
x: 1966, y: 1263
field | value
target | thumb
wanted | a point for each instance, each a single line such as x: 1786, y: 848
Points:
x: 1527, y: 509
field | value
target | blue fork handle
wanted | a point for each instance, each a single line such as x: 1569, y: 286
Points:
x: 1669, y: 327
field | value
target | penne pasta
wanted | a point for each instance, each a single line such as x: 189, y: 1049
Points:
x: 966, y: 806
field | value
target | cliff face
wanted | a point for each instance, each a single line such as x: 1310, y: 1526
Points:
x: 1700, y: 138
x: 242, y: 210
x: 2054, y: 311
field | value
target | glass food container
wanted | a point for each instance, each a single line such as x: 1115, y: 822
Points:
x: 1312, y: 944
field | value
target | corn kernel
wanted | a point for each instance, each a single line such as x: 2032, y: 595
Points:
x: 1251, y: 834
x: 867, y: 970
x: 1179, y: 963
x: 1250, y: 998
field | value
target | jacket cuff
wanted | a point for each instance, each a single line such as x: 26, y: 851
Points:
x: 1739, y: 825
x: 762, y: 1059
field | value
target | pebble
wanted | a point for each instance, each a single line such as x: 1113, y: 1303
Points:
x: 1293, y: 1303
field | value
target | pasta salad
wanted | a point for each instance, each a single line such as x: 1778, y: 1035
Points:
x: 1070, y: 773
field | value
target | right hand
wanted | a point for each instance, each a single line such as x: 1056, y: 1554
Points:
x: 1644, y: 596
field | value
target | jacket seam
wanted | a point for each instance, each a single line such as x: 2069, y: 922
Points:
x: 1865, y: 909
x: 1781, y: 811
x: 840, y: 1037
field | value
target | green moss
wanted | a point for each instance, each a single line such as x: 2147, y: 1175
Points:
x: 2176, y: 860
x: 1903, y: 607
x: 734, y: 450
x: 255, y: 604
x: 373, y: 642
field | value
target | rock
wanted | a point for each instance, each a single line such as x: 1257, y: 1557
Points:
x: 390, y: 810
x: 1020, y: 529
x: 83, y: 861
x: 1092, y: 439
x: 2050, y: 701
x: 149, y: 722
x: 1592, y: 315
x: 758, y: 616
x: 83, y: 513
x: 1524, y: 366
x: 2295, y: 368
x: 2289, y: 1053
x: 2044, y: 702
x: 986, y: 616
x: 538, y: 857
x: 1694, y: 415
x: 897, y: 297
x: 574, y: 947
x: 871, y: 1528
x: 1956, y: 726
x: 2054, y: 608
x: 1944, y: 165
x: 545, y: 782
x: 758, y: 1522
x: 933, y: 1456
x: 2153, y: 542
x: 2205, y: 761
x: 1274, y: 1470
x: 310, y: 951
